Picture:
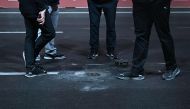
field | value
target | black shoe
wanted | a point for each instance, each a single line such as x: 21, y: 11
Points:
x: 127, y: 76
x: 54, y: 56
x: 111, y: 55
x: 36, y: 70
x: 29, y: 72
x: 171, y: 74
x: 93, y: 54
x: 40, y: 70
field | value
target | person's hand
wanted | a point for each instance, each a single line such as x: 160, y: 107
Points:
x: 41, y: 17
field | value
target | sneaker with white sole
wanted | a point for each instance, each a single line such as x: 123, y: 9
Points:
x: 93, y: 54
x: 36, y: 70
x: 54, y: 56
x: 171, y: 74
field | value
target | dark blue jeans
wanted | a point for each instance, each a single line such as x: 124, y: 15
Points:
x: 95, y: 11
x: 32, y: 47
x: 145, y: 14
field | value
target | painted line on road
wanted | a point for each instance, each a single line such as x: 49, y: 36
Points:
x: 22, y: 32
x: 22, y: 73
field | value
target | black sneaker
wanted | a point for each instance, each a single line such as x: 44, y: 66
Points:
x: 36, y: 70
x: 40, y: 70
x: 54, y: 56
x: 171, y: 74
x: 127, y: 76
x: 93, y: 54
x: 111, y: 55
x: 29, y: 72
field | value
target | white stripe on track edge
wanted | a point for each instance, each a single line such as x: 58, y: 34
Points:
x: 22, y: 73
x: 22, y: 32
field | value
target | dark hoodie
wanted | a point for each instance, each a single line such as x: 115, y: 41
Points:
x: 31, y: 8
x: 53, y: 2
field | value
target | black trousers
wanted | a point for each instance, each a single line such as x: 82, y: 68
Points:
x: 95, y: 11
x: 33, y: 46
x: 145, y: 14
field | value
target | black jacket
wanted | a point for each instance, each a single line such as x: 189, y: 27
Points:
x: 53, y: 2
x: 31, y: 8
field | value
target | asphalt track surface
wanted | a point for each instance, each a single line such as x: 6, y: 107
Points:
x: 79, y: 83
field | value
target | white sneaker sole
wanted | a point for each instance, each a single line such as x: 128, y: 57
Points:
x: 49, y: 58
x: 30, y: 76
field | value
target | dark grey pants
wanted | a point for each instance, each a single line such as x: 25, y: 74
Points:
x: 95, y: 11
x: 145, y: 14
x: 32, y: 47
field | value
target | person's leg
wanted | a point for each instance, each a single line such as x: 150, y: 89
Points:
x: 161, y: 18
x: 162, y: 11
x: 48, y: 33
x: 109, y: 9
x: 94, y: 14
x: 31, y: 34
x: 39, y: 34
x: 50, y: 46
x: 32, y: 69
x: 143, y: 23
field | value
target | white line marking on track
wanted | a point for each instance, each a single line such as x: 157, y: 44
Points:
x: 52, y: 73
x: 22, y: 32
x: 22, y: 73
